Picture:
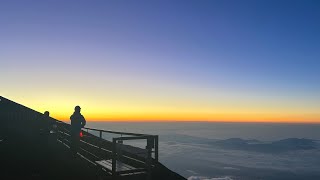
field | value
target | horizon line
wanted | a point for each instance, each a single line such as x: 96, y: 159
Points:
x: 200, y: 121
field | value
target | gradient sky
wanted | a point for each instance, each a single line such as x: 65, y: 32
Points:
x: 163, y: 60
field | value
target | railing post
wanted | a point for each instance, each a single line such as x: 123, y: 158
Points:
x: 150, y: 144
x: 119, y: 149
x: 156, y: 148
x: 114, y: 157
x: 100, y: 135
x: 58, y: 131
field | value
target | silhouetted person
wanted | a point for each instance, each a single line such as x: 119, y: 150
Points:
x: 77, y: 122
x: 40, y: 127
x: 47, y: 125
x: 42, y: 134
x: 44, y: 123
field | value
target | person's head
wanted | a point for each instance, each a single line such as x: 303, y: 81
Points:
x: 77, y: 109
x: 46, y: 114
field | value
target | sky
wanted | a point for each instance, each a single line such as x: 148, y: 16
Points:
x: 180, y: 60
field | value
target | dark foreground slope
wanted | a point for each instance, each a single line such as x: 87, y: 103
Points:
x: 22, y: 158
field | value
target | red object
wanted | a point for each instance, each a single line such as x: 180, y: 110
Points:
x: 81, y: 135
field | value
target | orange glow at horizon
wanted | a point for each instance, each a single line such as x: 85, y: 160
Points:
x: 117, y: 109
x: 254, y: 118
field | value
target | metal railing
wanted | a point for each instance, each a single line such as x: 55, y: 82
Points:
x: 109, y: 154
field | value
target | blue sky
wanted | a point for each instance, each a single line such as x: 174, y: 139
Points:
x: 239, y: 50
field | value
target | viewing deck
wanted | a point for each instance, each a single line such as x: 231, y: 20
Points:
x: 103, y: 154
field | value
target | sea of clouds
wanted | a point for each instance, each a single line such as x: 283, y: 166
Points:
x: 206, y: 152
x: 203, y: 161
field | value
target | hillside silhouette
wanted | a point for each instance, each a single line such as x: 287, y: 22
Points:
x: 25, y: 153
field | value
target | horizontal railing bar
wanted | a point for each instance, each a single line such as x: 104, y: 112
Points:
x: 89, y: 153
x: 92, y: 145
x: 133, y: 138
x: 115, y: 132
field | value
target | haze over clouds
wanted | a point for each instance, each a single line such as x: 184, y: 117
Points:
x: 214, y: 154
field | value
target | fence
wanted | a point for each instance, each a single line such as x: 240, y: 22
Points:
x: 114, y: 156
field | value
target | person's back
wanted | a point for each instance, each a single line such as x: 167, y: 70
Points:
x: 77, y: 122
x: 40, y: 125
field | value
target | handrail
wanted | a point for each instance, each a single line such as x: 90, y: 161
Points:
x: 118, y: 152
x: 137, y: 136
x: 133, y: 138
x: 116, y: 132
